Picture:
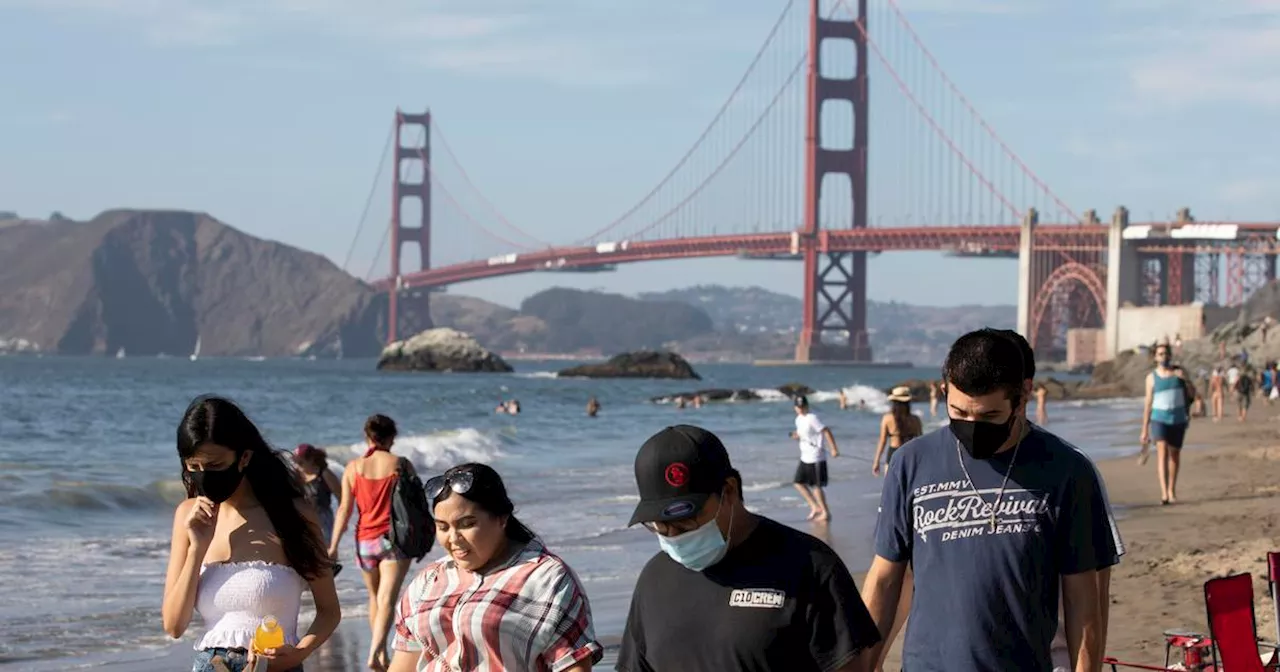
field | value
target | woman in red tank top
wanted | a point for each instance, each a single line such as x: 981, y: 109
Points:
x: 367, y: 482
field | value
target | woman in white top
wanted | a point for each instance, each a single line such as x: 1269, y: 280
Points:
x: 245, y: 545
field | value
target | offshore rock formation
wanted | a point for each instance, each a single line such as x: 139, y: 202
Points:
x: 440, y: 349
x: 644, y: 364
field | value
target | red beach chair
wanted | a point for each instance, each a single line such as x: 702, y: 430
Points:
x: 1273, y: 577
x: 1233, y: 626
x: 1232, y: 644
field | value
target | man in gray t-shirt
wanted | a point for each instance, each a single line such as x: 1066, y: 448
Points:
x: 995, y: 517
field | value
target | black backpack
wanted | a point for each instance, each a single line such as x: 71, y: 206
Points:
x: 413, y: 530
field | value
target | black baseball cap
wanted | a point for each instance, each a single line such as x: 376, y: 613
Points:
x: 677, y: 470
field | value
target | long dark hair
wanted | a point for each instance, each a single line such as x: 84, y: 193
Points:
x: 489, y: 493
x: 903, y: 420
x: 211, y: 419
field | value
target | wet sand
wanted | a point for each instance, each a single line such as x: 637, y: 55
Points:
x: 1225, y: 521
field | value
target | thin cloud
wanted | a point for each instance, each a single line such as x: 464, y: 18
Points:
x: 1217, y: 53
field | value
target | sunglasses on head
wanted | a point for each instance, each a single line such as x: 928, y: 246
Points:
x: 458, y: 481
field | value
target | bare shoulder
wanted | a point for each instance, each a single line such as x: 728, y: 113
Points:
x: 184, y: 508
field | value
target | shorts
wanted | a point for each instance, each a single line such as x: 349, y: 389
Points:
x: 1172, y: 435
x: 234, y: 660
x: 1243, y: 400
x: 813, y: 474
x: 372, y: 552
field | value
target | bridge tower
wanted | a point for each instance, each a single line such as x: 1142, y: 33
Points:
x: 409, y: 311
x: 835, y: 283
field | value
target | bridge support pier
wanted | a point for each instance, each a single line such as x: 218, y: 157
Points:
x: 1028, y: 281
x: 1123, y: 271
x: 835, y: 284
x: 409, y: 312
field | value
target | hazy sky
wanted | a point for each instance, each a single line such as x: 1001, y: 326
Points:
x: 270, y: 114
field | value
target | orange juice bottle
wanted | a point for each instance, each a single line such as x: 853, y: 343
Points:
x: 269, y: 635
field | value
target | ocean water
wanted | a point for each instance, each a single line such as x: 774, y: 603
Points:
x: 89, y: 471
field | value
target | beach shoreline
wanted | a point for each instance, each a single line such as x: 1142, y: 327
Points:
x: 1224, y: 522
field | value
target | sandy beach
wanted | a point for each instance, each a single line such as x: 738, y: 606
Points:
x: 1225, y: 521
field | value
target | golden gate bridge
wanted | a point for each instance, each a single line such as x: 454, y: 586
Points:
x: 798, y: 164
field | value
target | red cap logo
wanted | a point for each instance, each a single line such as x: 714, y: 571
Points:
x: 677, y: 474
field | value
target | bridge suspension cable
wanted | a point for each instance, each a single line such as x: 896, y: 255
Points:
x: 697, y: 143
x: 502, y: 219
x: 964, y: 100
x: 368, y: 201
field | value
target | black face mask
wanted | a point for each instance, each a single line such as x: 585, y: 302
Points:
x: 217, y: 485
x: 982, y: 439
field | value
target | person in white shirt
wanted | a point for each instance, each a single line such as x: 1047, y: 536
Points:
x: 811, y: 474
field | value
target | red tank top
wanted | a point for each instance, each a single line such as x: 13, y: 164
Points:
x: 373, y: 499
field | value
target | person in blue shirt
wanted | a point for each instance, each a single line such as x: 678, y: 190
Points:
x: 1165, y: 418
x: 996, y: 519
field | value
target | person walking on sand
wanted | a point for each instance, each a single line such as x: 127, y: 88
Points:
x: 1216, y: 391
x: 1059, y: 645
x: 1165, y: 418
x: 1243, y: 388
x: 996, y: 518
x: 368, y: 483
x: 245, y: 545
x: 811, y: 473
x: 897, y: 427
x: 732, y: 590
x: 498, y: 600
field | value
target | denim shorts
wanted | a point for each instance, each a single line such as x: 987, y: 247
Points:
x: 236, y: 660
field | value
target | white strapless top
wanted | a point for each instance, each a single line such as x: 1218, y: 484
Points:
x: 233, y: 597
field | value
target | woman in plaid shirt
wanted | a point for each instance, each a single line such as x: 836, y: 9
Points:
x: 499, y: 600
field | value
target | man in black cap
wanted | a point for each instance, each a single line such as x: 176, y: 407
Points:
x: 732, y: 590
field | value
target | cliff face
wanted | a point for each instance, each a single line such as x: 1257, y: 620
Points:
x: 153, y: 282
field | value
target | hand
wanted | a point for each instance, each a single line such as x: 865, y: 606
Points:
x: 875, y: 469
x: 333, y: 554
x: 201, y: 521
x: 794, y: 435
x: 279, y: 659
x: 1145, y: 438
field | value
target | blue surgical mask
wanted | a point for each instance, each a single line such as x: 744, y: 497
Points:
x: 698, y: 549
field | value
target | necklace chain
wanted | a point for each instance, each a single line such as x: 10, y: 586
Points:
x: 999, y: 494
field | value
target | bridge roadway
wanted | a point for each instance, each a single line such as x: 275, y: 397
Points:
x: 972, y: 240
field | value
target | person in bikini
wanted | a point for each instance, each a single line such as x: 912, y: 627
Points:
x: 368, y: 483
x: 897, y: 427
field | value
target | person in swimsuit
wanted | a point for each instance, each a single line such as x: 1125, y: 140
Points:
x: 368, y: 483
x: 245, y: 545
x: 1216, y: 390
x: 897, y: 427
x: 1042, y: 404
x: 319, y: 483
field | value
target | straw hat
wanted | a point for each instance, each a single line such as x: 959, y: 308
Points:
x: 900, y: 393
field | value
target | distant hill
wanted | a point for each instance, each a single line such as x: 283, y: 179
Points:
x: 899, y: 332
x: 152, y: 282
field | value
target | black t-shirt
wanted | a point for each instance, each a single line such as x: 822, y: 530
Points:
x: 780, y: 600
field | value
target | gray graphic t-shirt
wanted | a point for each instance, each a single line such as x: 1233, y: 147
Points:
x: 986, y: 598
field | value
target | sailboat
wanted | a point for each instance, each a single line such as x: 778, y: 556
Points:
x: 195, y: 354
x: 120, y: 353
x: 339, y: 347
